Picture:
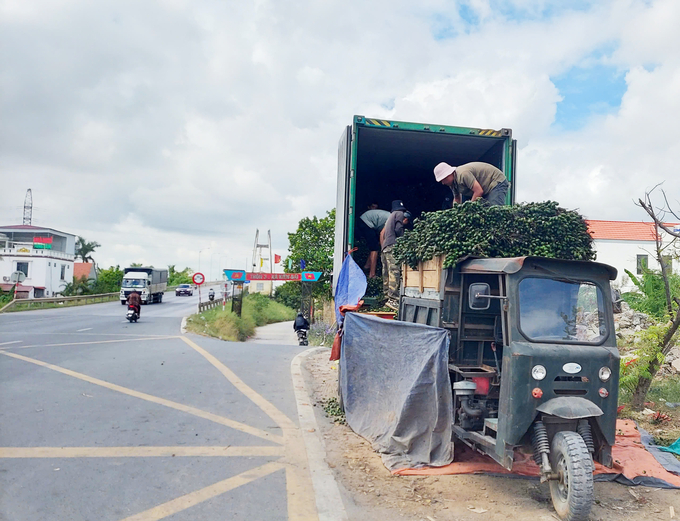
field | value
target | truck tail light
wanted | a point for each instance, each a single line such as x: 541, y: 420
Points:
x: 537, y: 393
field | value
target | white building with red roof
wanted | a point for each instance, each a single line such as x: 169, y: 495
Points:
x: 631, y: 245
x: 44, y: 255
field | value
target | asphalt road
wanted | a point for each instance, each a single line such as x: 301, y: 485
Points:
x: 101, y: 419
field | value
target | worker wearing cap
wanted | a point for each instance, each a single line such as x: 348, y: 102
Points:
x: 394, y: 227
x: 473, y: 181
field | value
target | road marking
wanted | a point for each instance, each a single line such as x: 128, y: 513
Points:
x: 93, y: 342
x: 194, y: 498
x: 81, y: 330
x: 154, y: 399
x: 328, y: 499
x: 137, y: 452
x: 12, y: 342
x: 299, y: 488
x: 270, y: 410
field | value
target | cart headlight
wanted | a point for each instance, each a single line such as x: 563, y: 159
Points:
x: 538, y: 372
x: 605, y: 373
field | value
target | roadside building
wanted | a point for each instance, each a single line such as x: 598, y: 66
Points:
x: 45, y: 256
x: 630, y: 245
x: 84, y: 269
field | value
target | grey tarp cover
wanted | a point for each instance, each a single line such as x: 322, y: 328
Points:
x: 396, y: 389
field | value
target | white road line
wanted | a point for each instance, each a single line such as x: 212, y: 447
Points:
x: 86, y: 329
x: 328, y: 500
x: 12, y: 342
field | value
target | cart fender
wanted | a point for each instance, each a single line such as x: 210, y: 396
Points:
x: 570, y: 408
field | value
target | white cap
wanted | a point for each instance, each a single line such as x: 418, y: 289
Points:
x: 442, y: 171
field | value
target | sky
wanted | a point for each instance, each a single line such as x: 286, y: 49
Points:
x: 172, y: 130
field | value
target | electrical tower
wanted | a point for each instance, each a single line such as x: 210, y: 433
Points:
x: 28, y: 208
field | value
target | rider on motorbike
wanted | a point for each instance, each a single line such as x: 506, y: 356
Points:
x: 300, y: 322
x: 135, y: 300
x: 211, y: 294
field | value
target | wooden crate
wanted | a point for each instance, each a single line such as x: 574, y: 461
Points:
x: 427, y: 276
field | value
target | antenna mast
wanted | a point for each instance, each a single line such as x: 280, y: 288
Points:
x: 28, y: 208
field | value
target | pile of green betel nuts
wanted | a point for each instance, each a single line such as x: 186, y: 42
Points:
x: 538, y: 229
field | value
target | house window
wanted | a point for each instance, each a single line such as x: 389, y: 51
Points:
x: 668, y: 263
x: 23, y: 267
x: 642, y: 262
x: 63, y: 272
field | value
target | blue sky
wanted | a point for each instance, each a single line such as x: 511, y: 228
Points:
x: 587, y: 92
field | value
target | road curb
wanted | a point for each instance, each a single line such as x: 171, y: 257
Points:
x: 328, y: 500
x: 183, y: 326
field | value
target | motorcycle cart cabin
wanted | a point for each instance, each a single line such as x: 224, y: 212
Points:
x: 532, y: 359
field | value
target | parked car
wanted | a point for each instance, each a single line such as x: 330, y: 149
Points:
x: 184, y: 289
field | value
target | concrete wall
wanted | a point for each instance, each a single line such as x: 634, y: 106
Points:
x: 623, y: 256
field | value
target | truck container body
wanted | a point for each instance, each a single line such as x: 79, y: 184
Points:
x: 380, y: 161
x: 150, y: 283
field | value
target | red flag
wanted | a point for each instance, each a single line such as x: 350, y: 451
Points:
x: 277, y: 258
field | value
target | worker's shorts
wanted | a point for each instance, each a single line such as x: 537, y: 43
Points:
x: 497, y: 195
x: 371, y: 235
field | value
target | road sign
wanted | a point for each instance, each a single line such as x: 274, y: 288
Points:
x: 242, y: 276
x: 235, y: 275
x: 17, y: 276
x: 198, y: 278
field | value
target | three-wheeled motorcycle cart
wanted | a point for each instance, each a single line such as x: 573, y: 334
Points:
x: 533, y: 362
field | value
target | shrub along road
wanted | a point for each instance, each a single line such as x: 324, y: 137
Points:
x: 102, y: 419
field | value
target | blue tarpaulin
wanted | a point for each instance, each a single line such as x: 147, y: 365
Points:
x: 673, y: 447
x: 396, y: 389
x: 350, y: 288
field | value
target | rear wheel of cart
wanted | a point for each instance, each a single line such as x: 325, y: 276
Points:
x: 572, y: 491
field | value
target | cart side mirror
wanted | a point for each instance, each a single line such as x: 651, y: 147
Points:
x: 478, y: 296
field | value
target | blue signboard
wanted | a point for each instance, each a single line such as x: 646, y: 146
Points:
x: 311, y: 276
x: 235, y: 275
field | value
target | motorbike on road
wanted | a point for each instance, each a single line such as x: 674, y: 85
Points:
x: 302, y: 337
x: 211, y: 294
x: 132, y: 313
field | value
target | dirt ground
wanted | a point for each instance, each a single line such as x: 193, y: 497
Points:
x: 372, y: 493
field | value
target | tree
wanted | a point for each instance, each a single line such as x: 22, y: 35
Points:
x: 109, y: 280
x: 85, y: 248
x: 176, y: 278
x: 658, y: 340
x: 313, y: 243
x: 136, y: 265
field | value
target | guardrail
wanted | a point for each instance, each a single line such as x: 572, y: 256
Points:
x: 210, y: 304
x: 33, y: 303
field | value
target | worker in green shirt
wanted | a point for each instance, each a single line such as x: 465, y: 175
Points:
x: 473, y: 181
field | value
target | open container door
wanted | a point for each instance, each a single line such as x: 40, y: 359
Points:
x: 342, y: 213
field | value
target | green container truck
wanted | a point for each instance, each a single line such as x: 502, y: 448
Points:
x: 380, y: 161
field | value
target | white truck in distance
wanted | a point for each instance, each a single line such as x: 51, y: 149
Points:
x: 150, y: 283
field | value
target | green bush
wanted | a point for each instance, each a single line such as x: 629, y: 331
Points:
x: 258, y: 310
x: 540, y: 229
x: 650, y: 297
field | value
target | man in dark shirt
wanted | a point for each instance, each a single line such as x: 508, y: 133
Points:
x: 135, y: 300
x: 300, y: 322
x: 394, y: 227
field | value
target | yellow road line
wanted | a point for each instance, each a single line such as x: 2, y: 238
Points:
x: 154, y: 399
x: 194, y: 498
x: 299, y: 488
x: 137, y: 452
x: 146, y: 339
x: 269, y: 409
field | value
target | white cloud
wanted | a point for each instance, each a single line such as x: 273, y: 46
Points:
x: 162, y: 129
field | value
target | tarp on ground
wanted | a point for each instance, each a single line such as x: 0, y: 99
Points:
x: 633, y: 463
x: 396, y: 389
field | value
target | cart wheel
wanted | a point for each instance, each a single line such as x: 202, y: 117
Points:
x: 572, y: 492
x: 341, y: 402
